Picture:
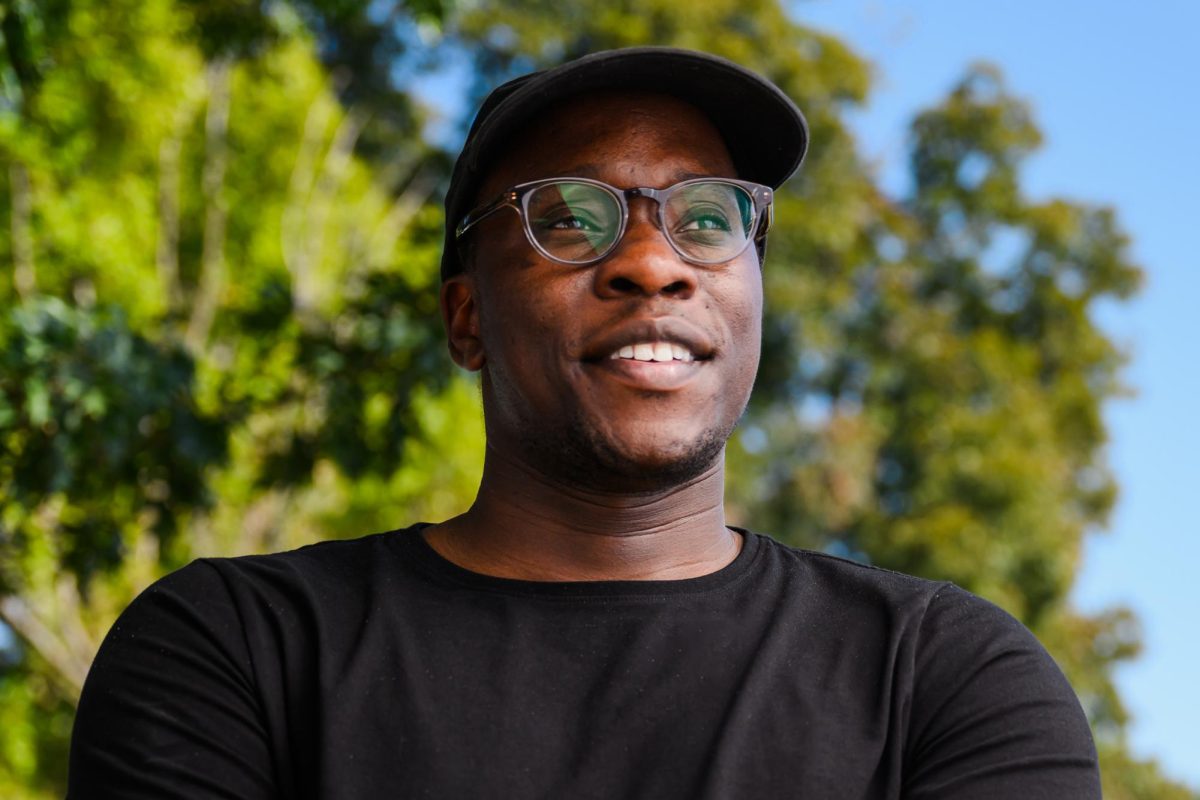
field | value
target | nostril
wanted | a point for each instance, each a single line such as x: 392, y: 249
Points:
x: 678, y: 287
x: 621, y: 284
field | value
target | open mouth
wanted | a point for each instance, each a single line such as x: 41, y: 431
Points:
x: 656, y: 354
x: 654, y: 351
x: 654, y: 366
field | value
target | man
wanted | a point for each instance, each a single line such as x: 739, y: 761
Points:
x: 591, y: 627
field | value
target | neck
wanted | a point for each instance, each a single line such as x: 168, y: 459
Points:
x: 526, y: 525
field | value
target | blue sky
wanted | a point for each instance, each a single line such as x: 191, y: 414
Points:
x: 1114, y: 89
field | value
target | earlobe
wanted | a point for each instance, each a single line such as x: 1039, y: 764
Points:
x: 460, y: 316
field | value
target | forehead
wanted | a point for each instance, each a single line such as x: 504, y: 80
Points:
x: 625, y: 138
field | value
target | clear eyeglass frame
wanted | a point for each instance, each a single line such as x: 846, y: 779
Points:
x: 518, y: 197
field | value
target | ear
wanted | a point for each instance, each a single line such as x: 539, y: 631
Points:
x: 460, y: 316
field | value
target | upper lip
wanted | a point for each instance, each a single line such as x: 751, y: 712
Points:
x: 672, y: 330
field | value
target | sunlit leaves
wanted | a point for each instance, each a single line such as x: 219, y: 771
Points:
x: 102, y: 418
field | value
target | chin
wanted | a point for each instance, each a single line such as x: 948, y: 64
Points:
x: 650, y: 463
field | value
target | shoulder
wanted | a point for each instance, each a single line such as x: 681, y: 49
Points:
x: 992, y: 714
x: 247, y: 609
x: 945, y: 613
x: 335, y: 569
x: 202, y: 661
x: 215, y: 597
x: 947, y: 626
x: 849, y: 588
x: 846, y: 572
x: 328, y: 560
x: 985, y: 710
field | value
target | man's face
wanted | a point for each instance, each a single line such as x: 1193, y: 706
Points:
x: 545, y: 333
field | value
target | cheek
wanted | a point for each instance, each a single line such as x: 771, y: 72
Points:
x: 525, y: 322
x: 738, y: 298
x: 505, y: 292
x: 740, y: 307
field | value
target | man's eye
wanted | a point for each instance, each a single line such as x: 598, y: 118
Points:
x: 708, y: 221
x: 569, y: 221
x: 574, y: 222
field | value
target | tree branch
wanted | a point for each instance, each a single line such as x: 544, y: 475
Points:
x: 68, y: 655
x: 24, y: 275
x: 216, y: 157
x: 329, y: 182
x: 400, y: 214
x: 293, y: 233
x: 167, y: 253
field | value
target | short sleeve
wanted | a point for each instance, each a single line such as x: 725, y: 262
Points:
x: 169, y: 708
x: 992, y: 714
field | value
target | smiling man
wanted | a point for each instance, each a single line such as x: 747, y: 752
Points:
x: 591, y: 627
x: 617, y: 332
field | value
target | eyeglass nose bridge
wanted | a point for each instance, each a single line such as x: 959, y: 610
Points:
x: 645, y: 191
x: 649, y: 193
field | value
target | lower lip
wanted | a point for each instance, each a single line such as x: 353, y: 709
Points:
x: 653, y: 376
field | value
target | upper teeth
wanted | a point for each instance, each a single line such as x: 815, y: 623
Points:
x: 654, y: 351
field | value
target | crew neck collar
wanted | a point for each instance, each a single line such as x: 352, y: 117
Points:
x: 413, y: 544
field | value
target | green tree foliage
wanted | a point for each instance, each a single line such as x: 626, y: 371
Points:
x: 212, y: 295
x: 219, y: 226
x: 104, y: 421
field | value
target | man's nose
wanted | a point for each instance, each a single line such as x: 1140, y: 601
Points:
x: 644, y: 263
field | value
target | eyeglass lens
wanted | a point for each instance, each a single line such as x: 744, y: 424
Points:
x: 575, y: 222
x: 708, y: 222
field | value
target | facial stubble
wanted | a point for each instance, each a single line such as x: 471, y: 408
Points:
x: 575, y: 451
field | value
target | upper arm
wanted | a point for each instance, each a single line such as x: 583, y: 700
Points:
x: 992, y: 715
x: 169, y: 707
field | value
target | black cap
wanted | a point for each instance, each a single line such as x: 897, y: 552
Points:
x: 764, y: 130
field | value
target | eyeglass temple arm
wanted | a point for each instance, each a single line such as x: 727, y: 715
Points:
x: 480, y: 214
x: 767, y: 219
x: 760, y: 235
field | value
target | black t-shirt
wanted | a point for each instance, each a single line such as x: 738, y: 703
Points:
x: 376, y: 668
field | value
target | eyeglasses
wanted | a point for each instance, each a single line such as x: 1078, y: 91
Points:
x: 579, y: 221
